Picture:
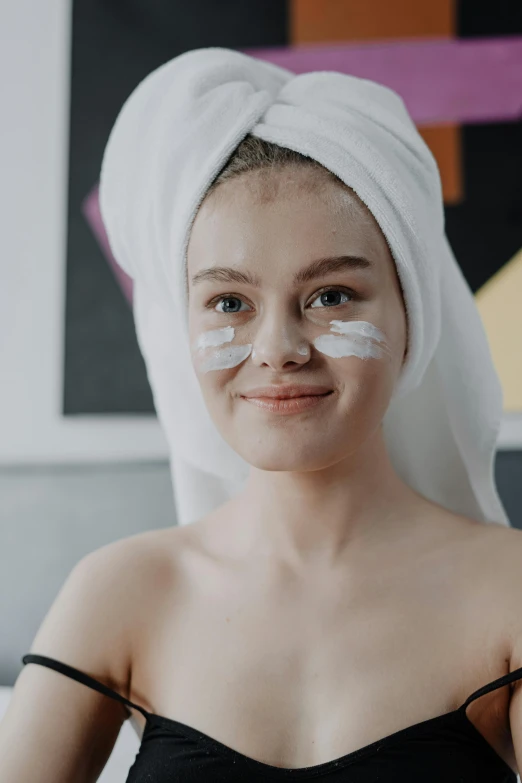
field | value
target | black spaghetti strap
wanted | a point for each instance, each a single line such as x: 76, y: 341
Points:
x: 85, y: 679
x: 491, y: 686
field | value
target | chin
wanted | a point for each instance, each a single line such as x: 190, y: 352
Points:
x: 290, y: 454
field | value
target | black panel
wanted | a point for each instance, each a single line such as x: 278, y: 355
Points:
x: 508, y: 474
x: 115, y: 44
x: 477, y: 18
x: 485, y: 230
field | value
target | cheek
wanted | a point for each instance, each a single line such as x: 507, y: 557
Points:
x: 343, y: 347
x: 365, y: 389
x: 354, y: 338
x: 211, y: 350
x: 225, y: 358
x: 361, y: 357
x: 396, y: 325
x: 362, y: 380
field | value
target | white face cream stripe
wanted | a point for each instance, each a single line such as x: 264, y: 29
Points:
x: 224, y: 358
x: 219, y: 358
x: 362, y: 328
x: 337, y: 347
x: 215, y: 337
x: 356, y: 338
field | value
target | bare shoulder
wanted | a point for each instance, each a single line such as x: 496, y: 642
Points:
x: 145, y: 558
x: 135, y: 558
x: 496, y: 553
x: 133, y: 571
x: 498, y: 549
x: 88, y: 626
x: 142, y: 570
x: 91, y: 620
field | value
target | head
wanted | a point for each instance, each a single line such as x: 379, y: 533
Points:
x: 280, y: 316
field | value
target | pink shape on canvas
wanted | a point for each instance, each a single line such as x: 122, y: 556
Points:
x: 91, y: 210
x: 440, y: 80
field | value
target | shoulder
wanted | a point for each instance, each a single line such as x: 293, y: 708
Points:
x: 126, y: 574
x: 497, y: 568
x: 90, y: 623
x: 130, y: 560
x: 498, y: 550
x: 145, y: 558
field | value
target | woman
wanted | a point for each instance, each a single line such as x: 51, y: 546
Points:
x: 336, y: 610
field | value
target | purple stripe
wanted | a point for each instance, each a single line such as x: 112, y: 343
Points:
x: 440, y: 80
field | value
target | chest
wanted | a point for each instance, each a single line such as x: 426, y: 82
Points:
x: 296, y: 675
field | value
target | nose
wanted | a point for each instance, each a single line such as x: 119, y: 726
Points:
x: 278, y: 342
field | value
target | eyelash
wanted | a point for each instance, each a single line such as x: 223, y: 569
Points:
x: 342, y: 289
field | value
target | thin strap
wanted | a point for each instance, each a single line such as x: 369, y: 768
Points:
x: 491, y: 686
x: 85, y: 679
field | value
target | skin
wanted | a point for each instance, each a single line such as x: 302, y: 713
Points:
x: 325, y: 532
x: 321, y: 482
x: 327, y: 605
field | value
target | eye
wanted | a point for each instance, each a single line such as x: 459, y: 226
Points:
x: 333, y: 293
x: 226, y: 300
x: 325, y: 295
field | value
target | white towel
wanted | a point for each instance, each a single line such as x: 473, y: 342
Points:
x: 171, y: 138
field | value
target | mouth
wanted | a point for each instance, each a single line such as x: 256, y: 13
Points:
x: 286, y: 390
x: 289, y: 404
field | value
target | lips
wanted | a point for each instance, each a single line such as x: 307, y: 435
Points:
x: 286, y: 392
x: 289, y: 405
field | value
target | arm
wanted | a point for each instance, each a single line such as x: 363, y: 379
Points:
x: 515, y: 704
x: 56, y: 728
x: 513, y: 559
x: 515, y: 720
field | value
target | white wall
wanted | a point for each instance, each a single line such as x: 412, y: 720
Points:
x: 35, y: 41
x: 34, y: 92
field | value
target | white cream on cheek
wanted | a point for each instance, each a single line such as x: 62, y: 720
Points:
x: 359, y: 338
x: 219, y: 358
x: 354, y: 338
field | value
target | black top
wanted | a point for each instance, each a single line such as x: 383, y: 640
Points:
x: 447, y: 747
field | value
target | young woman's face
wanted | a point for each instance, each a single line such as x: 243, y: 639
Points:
x: 267, y: 323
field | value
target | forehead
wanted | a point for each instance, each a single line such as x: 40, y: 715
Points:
x: 285, y: 217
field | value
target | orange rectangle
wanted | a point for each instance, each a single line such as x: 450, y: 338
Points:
x: 322, y: 21
x: 319, y: 21
x: 445, y: 142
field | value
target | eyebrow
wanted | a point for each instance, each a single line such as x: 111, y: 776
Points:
x: 318, y: 268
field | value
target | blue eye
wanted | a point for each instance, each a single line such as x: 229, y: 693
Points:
x: 326, y: 293
x: 228, y: 299
x: 335, y: 292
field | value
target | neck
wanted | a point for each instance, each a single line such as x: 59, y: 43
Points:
x: 320, y: 517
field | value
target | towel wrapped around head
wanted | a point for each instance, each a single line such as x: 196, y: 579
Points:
x: 173, y: 136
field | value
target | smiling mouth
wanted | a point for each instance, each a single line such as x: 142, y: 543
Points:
x: 292, y: 396
x: 288, y: 405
